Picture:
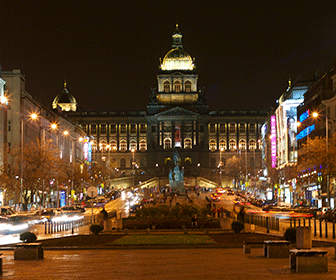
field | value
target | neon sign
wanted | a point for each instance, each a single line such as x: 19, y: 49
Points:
x: 305, y: 132
x: 273, y: 141
x: 304, y: 116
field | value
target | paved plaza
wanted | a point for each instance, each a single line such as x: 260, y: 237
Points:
x: 156, y: 264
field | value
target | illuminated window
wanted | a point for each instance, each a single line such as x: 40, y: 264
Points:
x: 212, y: 145
x: 212, y: 128
x: 187, y: 143
x: 103, y: 128
x: 93, y: 129
x: 232, y: 145
x: 167, y: 144
x: 133, y: 145
x: 242, y: 145
x: 222, y: 128
x: 113, y: 145
x: 133, y: 128
x: 222, y: 144
x: 177, y: 86
x: 143, y: 145
x: 241, y: 128
x: 143, y: 128
x: 232, y: 128
x: 166, y: 86
x: 187, y: 86
x: 252, y: 144
x: 123, y: 128
x: 123, y: 146
x: 252, y: 127
x: 113, y: 129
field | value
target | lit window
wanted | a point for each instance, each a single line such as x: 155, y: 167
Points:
x: 167, y: 144
x: 212, y: 145
x: 187, y: 143
x: 143, y: 145
x: 133, y: 145
x: 123, y: 145
x: 222, y: 145
x: 166, y: 86
x: 252, y: 145
x: 232, y: 145
x: 242, y: 145
x: 177, y: 86
x: 187, y: 86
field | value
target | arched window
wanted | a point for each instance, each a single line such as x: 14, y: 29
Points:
x: 114, y: 146
x: 187, y: 86
x: 177, y: 86
x: 142, y: 145
x: 167, y: 144
x: 212, y: 145
x: 122, y: 163
x: 187, y: 143
x: 188, y: 161
x: 222, y: 144
x: 166, y: 86
x: 232, y: 145
x: 242, y: 144
x: 133, y: 145
x: 252, y: 145
x: 123, y: 146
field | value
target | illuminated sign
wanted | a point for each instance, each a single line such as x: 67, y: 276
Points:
x: 62, y: 198
x: 273, y: 141
x: 305, y: 132
x: 304, y: 116
x: 87, y: 149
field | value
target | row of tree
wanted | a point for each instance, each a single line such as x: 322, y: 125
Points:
x: 40, y: 169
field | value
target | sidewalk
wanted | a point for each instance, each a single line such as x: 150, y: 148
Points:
x: 195, y: 264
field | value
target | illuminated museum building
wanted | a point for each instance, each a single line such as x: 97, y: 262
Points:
x: 177, y: 116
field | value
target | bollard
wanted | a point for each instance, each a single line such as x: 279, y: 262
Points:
x: 299, y: 222
x: 0, y: 265
x: 72, y: 228
x: 309, y: 222
x: 315, y: 227
x: 290, y: 223
x: 320, y: 228
x: 294, y: 223
x: 326, y: 229
x: 333, y: 230
x: 45, y: 227
x: 304, y: 222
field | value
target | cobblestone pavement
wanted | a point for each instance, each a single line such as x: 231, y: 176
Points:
x: 156, y: 264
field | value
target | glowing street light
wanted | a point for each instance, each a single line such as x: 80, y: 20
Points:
x: 33, y: 116
x: 3, y: 100
x: 315, y: 115
x: 80, y: 139
x: 65, y: 133
x: 53, y: 126
x: 298, y: 124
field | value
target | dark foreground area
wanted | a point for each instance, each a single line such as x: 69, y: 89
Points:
x: 160, y: 264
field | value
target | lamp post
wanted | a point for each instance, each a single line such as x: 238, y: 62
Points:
x: 220, y: 164
x: 33, y: 117
x: 133, y: 170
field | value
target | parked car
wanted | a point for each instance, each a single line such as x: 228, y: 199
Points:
x: 6, y: 211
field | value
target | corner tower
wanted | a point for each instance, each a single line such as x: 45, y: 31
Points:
x: 176, y: 80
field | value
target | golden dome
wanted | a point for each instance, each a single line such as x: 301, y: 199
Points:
x: 177, y: 59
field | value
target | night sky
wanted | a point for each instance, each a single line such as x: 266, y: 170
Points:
x: 109, y: 51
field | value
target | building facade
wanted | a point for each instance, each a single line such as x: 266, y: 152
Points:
x: 177, y: 117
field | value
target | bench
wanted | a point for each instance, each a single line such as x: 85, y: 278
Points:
x: 308, y: 260
x: 247, y: 245
x: 276, y: 248
x: 28, y: 251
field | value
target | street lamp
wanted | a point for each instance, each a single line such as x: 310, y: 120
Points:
x: 65, y: 133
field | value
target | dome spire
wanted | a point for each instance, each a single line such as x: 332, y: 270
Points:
x: 177, y: 38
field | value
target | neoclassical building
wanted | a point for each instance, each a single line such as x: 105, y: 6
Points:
x: 177, y: 116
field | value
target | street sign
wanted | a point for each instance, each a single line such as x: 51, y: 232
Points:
x: 92, y: 192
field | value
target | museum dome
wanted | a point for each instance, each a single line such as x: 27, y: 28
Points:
x: 177, y: 58
x: 65, y: 100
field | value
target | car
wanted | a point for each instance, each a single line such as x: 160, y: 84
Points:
x: 6, y: 211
